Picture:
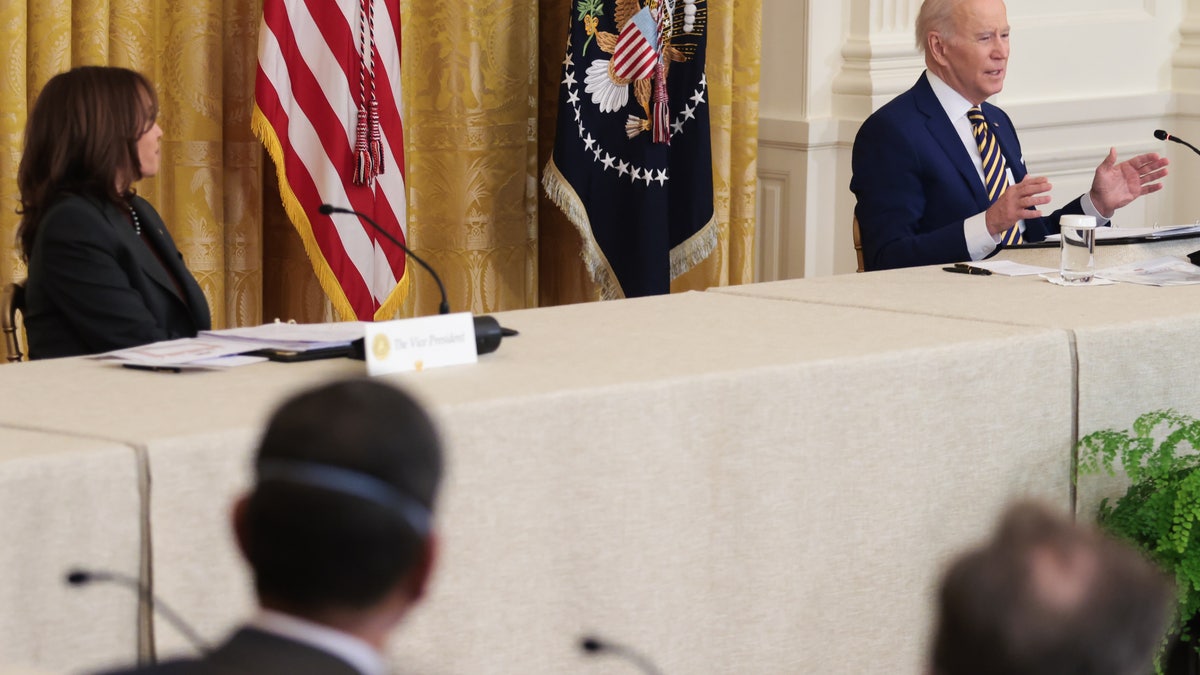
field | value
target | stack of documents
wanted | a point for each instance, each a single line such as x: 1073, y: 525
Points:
x: 297, y: 337
x: 237, y: 346
x: 1141, y: 233
x: 1164, y: 271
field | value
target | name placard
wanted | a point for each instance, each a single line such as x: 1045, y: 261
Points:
x: 417, y: 344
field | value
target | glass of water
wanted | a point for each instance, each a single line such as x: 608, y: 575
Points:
x: 1078, y: 260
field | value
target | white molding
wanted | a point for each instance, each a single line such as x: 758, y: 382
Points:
x: 1071, y: 19
x: 1034, y: 115
x: 770, y: 250
x: 804, y: 135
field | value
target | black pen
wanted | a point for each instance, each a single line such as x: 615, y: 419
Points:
x: 963, y: 268
x: 154, y: 369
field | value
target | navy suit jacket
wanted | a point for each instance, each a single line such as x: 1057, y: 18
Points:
x: 94, y: 286
x: 916, y: 183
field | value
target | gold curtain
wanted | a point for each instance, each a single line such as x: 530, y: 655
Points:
x: 480, y: 93
x: 470, y: 105
x: 201, y: 57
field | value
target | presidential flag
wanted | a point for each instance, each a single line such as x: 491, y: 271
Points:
x: 327, y: 109
x: 632, y: 162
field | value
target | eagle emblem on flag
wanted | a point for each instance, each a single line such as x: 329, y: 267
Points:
x: 632, y: 164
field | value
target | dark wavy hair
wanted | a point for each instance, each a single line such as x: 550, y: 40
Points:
x: 81, y: 138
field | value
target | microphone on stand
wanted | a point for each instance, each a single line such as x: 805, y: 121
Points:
x: 1194, y: 256
x: 330, y: 209
x: 1164, y: 136
x: 80, y: 577
x: 488, y: 331
x: 590, y: 644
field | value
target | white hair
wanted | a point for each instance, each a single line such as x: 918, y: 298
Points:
x: 936, y: 16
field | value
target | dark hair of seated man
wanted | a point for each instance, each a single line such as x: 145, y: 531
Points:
x: 316, y: 551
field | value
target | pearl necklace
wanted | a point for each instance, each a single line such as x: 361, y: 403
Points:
x: 137, y: 224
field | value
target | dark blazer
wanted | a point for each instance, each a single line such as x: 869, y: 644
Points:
x: 254, y: 652
x: 916, y: 183
x: 94, y: 286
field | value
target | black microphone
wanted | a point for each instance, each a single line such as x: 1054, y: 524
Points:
x: 79, y: 577
x: 1164, y: 136
x: 590, y: 644
x: 330, y: 209
x: 488, y: 331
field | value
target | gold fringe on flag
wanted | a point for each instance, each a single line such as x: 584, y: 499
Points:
x: 291, y: 205
x: 564, y: 197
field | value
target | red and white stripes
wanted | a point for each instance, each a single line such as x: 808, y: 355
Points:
x: 637, y: 50
x: 311, y: 80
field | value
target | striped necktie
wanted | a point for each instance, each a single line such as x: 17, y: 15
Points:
x: 995, y: 170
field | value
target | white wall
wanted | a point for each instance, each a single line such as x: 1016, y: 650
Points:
x: 1084, y: 75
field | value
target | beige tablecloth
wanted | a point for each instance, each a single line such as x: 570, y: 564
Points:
x: 1137, y: 346
x: 732, y: 484
x: 67, y: 502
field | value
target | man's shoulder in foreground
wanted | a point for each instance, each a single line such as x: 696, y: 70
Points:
x: 254, y: 652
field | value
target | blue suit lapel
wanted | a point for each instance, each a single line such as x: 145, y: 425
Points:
x: 943, y: 132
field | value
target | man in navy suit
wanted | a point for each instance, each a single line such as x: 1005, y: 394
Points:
x: 918, y: 173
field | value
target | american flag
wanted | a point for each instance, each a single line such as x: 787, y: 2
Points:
x: 637, y: 51
x: 320, y: 63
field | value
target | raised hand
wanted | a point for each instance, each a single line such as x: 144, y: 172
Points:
x: 1019, y: 201
x: 1117, y: 184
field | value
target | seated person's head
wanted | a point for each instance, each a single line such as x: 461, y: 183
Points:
x: 1047, y: 596
x: 338, y: 521
x: 92, y: 132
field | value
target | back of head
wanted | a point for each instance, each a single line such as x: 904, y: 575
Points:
x: 1045, y: 597
x: 347, y: 478
x: 81, y: 137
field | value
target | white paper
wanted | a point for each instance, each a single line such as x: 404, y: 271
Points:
x: 1148, y: 233
x: 296, y: 337
x: 176, y: 352
x: 1008, y: 268
x: 1056, y: 279
x: 1164, y: 271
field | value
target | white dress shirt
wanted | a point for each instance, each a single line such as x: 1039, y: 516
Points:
x: 348, y: 648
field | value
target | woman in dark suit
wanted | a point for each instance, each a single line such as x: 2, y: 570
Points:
x: 104, y: 272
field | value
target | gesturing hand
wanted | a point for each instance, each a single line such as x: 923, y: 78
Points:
x: 1018, y: 202
x: 1116, y: 185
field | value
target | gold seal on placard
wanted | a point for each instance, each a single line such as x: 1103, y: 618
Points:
x: 381, y: 346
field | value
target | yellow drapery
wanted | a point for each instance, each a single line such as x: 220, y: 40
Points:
x: 480, y: 89
x: 200, y: 55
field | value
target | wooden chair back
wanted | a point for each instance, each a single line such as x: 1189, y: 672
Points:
x: 12, y: 318
x: 858, y: 246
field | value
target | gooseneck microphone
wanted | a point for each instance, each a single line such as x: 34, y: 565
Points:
x: 590, y: 644
x: 330, y: 209
x: 488, y: 331
x: 80, y: 577
x: 1164, y: 136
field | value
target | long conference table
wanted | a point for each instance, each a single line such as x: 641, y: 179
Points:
x: 756, y: 479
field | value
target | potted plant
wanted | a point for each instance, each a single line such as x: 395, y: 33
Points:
x: 1160, y: 510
